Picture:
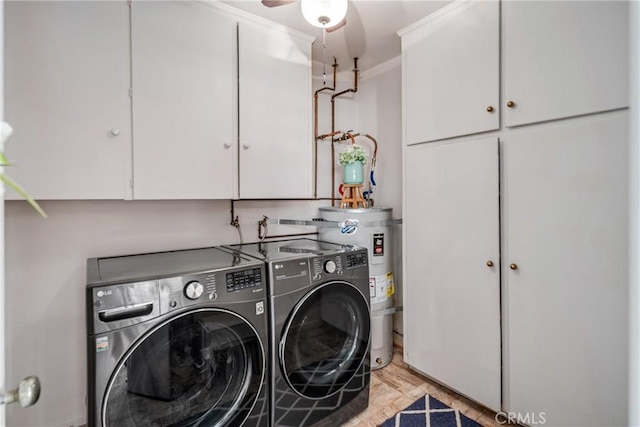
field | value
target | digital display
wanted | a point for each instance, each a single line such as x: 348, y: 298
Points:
x: 357, y: 260
x: 243, y: 279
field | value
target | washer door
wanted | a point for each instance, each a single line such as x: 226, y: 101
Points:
x: 201, y: 368
x: 325, y: 340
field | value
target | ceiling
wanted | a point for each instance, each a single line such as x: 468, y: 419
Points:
x: 370, y: 33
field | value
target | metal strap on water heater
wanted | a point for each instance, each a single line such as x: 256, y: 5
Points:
x: 386, y: 311
x: 335, y: 224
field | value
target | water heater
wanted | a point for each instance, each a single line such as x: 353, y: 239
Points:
x: 371, y: 228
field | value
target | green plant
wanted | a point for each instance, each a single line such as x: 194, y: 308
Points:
x: 5, y: 132
x: 353, y: 153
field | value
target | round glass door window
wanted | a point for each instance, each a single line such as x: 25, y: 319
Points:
x: 325, y: 340
x: 203, y: 368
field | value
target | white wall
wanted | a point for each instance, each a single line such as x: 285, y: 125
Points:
x: 380, y: 115
x: 46, y: 273
x: 634, y: 215
x: 2, y: 286
x: 346, y: 108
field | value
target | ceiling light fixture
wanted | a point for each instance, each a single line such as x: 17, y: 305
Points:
x: 324, y: 13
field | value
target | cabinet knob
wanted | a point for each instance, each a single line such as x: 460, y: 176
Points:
x: 489, y: 263
x: 227, y: 145
x: 115, y: 131
x: 511, y: 104
x: 513, y: 266
x: 246, y: 146
x: 490, y: 109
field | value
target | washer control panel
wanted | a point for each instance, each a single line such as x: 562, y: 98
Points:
x: 330, y: 266
x: 327, y: 267
x: 243, y: 279
x: 193, y: 290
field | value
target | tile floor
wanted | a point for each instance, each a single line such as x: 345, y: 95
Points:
x: 395, y: 387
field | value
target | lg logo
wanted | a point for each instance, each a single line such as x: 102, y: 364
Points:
x: 101, y: 294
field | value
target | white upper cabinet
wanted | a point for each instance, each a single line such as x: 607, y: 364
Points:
x: 66, y: 95
x: 184, y: 85
x: 275, y: 96
x: 563, y: 59
x: 450, y: 64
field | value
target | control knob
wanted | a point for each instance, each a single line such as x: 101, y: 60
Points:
x: 330, y: 266
x: 193, y: 290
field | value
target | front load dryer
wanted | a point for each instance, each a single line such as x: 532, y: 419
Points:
x: 177, y: 339
x: 320, y: 327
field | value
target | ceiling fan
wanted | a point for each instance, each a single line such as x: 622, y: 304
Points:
x: 329, y: 15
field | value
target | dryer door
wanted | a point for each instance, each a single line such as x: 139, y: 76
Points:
x: 205, y: 367
x: 325, y: 340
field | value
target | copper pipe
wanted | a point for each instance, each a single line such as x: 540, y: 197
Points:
x: 355, y: 81
x: 327, y: 135
x: 333, y: 126
x: 315, y: 98
x: 348, y: 135
x: 375, y: 150
x: 315, y: 125
x: 333, y: 151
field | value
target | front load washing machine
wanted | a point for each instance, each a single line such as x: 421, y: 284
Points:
x: 320, y: 327
x: 177, y: 339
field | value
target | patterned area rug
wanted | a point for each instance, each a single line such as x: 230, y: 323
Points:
x: 429, y: 412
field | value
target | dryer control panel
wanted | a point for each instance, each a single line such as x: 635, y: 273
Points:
x: 243, y: 279
x: 358, y: 259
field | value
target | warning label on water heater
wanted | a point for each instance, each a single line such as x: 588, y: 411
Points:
x: 381, y: 287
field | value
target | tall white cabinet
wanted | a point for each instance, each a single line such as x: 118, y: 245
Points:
x: 560, y: 221
x: 565, y: 270
x: 453, y: 256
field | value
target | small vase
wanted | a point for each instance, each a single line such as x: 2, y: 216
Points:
x: 353, y: 173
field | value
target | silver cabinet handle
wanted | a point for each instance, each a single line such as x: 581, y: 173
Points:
x: 27, y: 393
x: 115, y: 131
x: 246, y: 146
x: 227, y: 145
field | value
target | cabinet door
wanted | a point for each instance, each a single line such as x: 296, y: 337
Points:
x: 566, y: 303
x: 451, y: 74
x: 276, y: 149
x: 564, y: 58
x: 66, y: 95
x: 452, y: 266
x: 183, y: 101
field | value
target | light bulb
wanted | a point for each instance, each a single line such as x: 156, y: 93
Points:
x: 324, y: 13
